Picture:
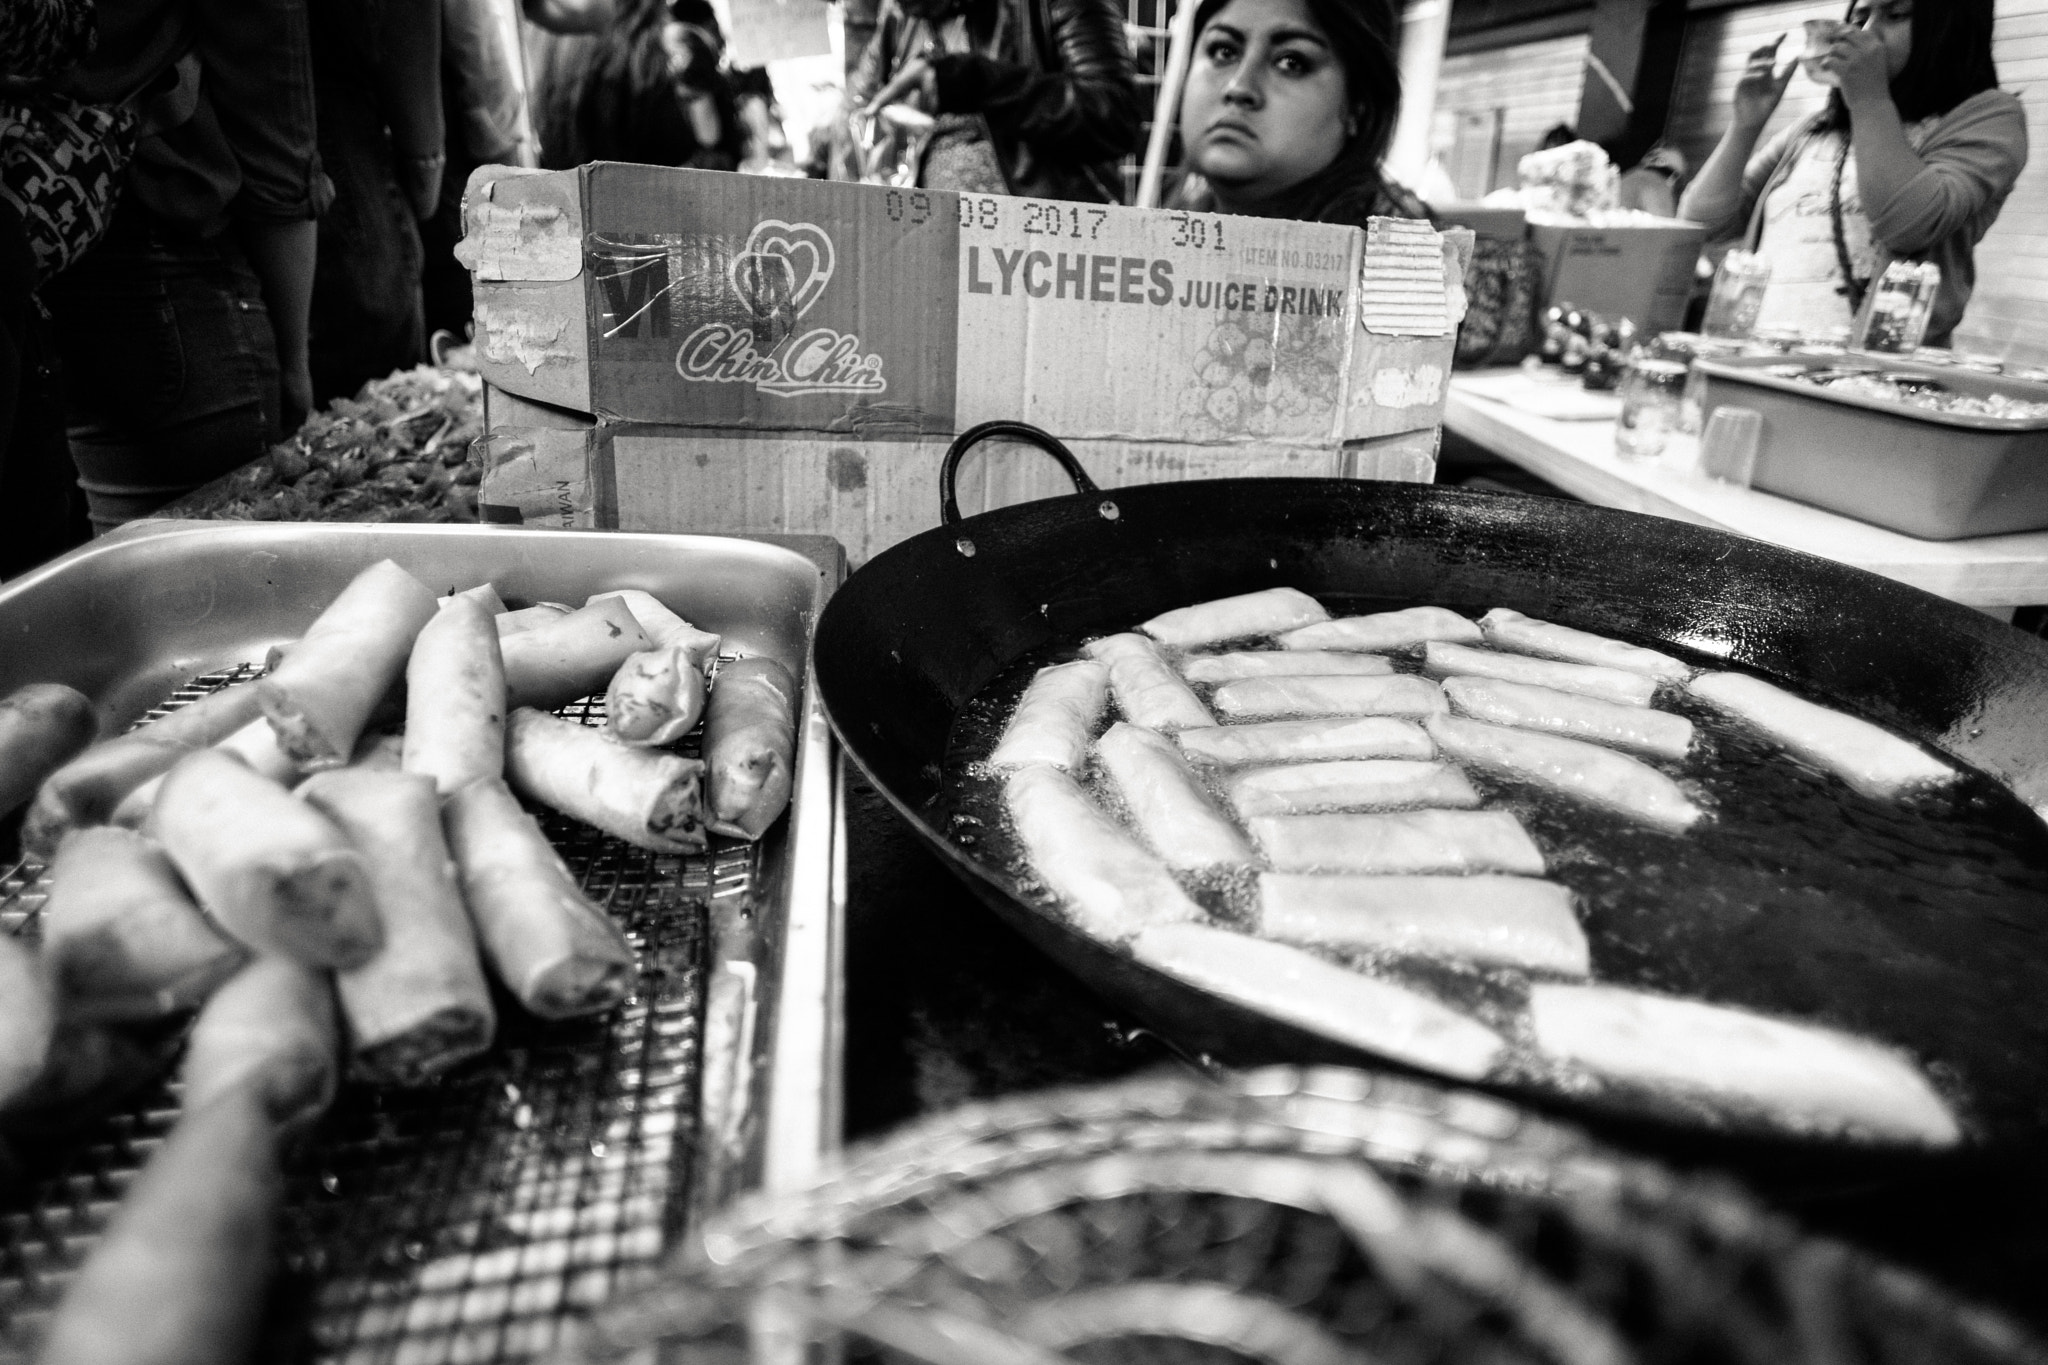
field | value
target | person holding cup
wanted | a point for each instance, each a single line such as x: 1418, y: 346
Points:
x: 1912, y: 159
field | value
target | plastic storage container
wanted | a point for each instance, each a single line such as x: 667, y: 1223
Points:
x: 1932, y: 474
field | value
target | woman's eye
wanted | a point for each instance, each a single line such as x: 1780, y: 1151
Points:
x: 1222, y: 52
x: 1293, y: 64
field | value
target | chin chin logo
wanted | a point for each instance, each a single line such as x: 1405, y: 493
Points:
x: 780, y: 273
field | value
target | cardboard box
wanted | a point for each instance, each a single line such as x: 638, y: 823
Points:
x: 759, y: 354
x: 1643, y: 272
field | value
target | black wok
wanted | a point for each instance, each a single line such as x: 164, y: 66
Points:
x: 913, y: 635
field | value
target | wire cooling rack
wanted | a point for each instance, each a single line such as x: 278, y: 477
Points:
x: 457, y: 1223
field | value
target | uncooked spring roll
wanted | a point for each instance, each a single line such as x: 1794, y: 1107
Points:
x: 1298, y: 741
x: 1497, y: 921
x: 270, y: 869
x: 648, y: 797
x: 86, y: 790
x: 1799, y: 1076
x: 321, y: 694
x: 1268, y: 663
x: 1573, y: 768
x: 1289, y: 984
x: 179, y: 1277
x: 1441, y: 660
x: 1641, y: 728
x: 1148, y: 692
x: 558, y: 661
x: 526, y: 618
x: 655, y: 698
x: 1396, y: 694
x: 1413, y: 841
x: 1106, y: 880
x: 28, y: 1017
x: 1235, y: 618
x: 1350, y: 784
x: 421, y: 1005
x: 271, y: 1028
x: 1172, y: 812
x: 559, y: 954
x: 750, y: 746
x: 122, y: 937
x: 1385, y: 630
x: 1869, y: 758
x: 42, y: 727
x: 455, y: 698
x: 665, y: 628
x: 1055, y: 717
x: 255, y: 744
x: 1510, y: 630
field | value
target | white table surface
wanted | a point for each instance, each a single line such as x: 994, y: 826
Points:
x: 1994, y: 573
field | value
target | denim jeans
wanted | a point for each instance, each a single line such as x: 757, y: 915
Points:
x: 170, y: 365
x: 367, y: 311
x: 38, y: 486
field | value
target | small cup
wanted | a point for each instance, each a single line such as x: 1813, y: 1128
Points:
x: 1820, y: 36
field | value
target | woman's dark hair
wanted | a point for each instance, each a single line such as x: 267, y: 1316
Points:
x: 1363, y: 34
x: 1951, y: 61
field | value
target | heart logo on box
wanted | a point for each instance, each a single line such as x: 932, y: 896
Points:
x: 783, y: 269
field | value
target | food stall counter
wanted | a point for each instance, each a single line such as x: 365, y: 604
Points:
x: 1992, y: 573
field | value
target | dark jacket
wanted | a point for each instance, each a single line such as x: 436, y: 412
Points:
x: 1053, y: 78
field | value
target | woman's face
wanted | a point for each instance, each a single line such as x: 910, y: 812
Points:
x: 1891, y: 21
x: 1267, y: 103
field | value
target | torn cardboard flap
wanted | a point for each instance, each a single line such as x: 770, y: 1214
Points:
x: 1402, y: 286
x: 520, y: 225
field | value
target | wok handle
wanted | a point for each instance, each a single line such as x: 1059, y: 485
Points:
x: 949, y: 468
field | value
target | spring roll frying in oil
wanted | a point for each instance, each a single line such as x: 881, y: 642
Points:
x: 1285, y: 983
x: 271, y: 870
x: 555, y: 951
x: 1799, y: 1077
x: 420, y: 1006
x: 1147, y: 690
x: 123, y: 939
x: 321, y: 695
x: 1396, y: 694
x: 1271, y: 663
x: 1350, y: 784
x: 1441, y: 660
x: 572, y: 656
x: 271, y: 1028
x: 1385, y: 631
x: 1056, y: 717
x: 42, y: 727
x: 1493, y: 920
x: 1304, y: 741
x: 1171, y: 811
x: 648, y: 797
x: 1235, y: 618
x: 1417, y: 841
x: 749, y: 747
x: 1510, y: 630
x: 1108, y: 882
x: 455, y: 698
x: 1873, y: 760
x: 1589, y: 773
x: 179, y: 1277
x: 1572, y: 714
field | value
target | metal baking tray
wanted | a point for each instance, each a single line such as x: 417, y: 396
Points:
x: 1936, y: 475
x: 467, y: 1221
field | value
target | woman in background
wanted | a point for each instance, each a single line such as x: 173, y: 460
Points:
x: 1912, y: 159
x: 1289, y: 108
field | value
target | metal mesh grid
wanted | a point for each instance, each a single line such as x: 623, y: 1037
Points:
x: 456, y: 1223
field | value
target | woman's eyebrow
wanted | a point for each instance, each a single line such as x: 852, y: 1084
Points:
x: 1298, y: 35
